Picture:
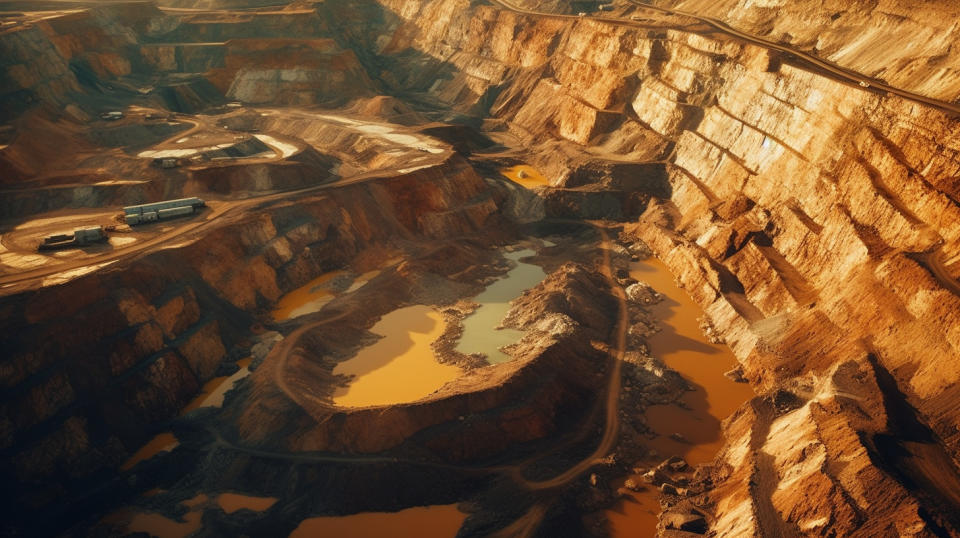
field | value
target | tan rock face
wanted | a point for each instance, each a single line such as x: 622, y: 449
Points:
x: 906, y: 44
x: 806, y: 215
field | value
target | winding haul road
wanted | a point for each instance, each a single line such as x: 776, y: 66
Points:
x: 526, y: 524
x: 219, y: 209
x: 611, y: 421
x: 837, y: 72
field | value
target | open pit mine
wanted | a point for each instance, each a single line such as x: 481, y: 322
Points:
x: 470, y: 268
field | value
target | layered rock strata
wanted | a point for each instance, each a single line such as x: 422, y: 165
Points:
x: 814, y: 220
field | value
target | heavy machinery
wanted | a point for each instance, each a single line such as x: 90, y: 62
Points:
x: 80, y: 237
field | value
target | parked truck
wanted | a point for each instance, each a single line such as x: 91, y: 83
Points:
x: 140, y: 214
x: 80, y: 237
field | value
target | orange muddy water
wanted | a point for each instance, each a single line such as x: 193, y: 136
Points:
x: 231, y: 502
x: 214, y: 390
x: 420, y: 522
x: 683, y: 347
x: 314, y: 295
x: 162, y: 527
x: 161, y: 443
x: 527, y: 176
x: 154, y: 524
x: 306, y: 299
x: 400, y: 367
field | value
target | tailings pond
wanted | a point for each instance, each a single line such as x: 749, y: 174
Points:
x: 400, y: 367
x: 480, y: 333
x: 682, y: 346
x: 314, y: 295
x: 525, y: 175
x: 419, y: 522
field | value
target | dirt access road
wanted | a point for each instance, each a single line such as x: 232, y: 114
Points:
x: 318, y: 409
x: 823, y: 66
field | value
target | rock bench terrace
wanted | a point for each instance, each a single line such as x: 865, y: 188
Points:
x: 487, y: 268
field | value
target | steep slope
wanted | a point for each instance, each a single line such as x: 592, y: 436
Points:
x: 807, y: 216
x: 897, y: 41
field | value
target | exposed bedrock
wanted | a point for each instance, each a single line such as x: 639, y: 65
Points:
x: 73, y: 64
x: 77, y: 402
x: 890, y: 40
x: 814, y: 221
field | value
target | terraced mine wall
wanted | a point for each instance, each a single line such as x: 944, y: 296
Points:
x: 78, y: 401
x: 889, y: 40
x: 815, y: 222
x: 307, y: 168
x: 806, y: 216
x: 49, y: 61
x: 252, y: 57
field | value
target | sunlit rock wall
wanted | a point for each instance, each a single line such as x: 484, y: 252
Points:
x: 815, y: 221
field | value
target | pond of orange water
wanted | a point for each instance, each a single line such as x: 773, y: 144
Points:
x: 419, y: 522
x: 525, y: 175
x: 163, y: 442
x: 400, y: 367
x: 682, y: 346
x: 231, y: 502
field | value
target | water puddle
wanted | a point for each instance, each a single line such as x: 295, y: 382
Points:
x: 306, y: 299
x: 683, y: 347
x: 154, y: 524
x: 401, y: 367
x: 314, y: 295
x: 210, y: 396
x: 525, y: 175
x: 480, y: 334
x: 231, y: 502
x: 164, y: 442
x: 160, y: 526
x: 214, y: 390
x: 419, y: 522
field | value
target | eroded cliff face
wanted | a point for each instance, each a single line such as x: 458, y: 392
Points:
x: 814, y: 220
x: 896, y: 41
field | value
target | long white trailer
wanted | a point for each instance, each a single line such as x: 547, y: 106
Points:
x: 139, y: 214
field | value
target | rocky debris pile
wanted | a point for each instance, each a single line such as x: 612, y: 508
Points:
x: 643, y: 294
x: 571, y: 294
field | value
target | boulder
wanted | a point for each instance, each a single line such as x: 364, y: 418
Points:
x: 684, y: 521
x: 669, y: 489
x: 642, y: 293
